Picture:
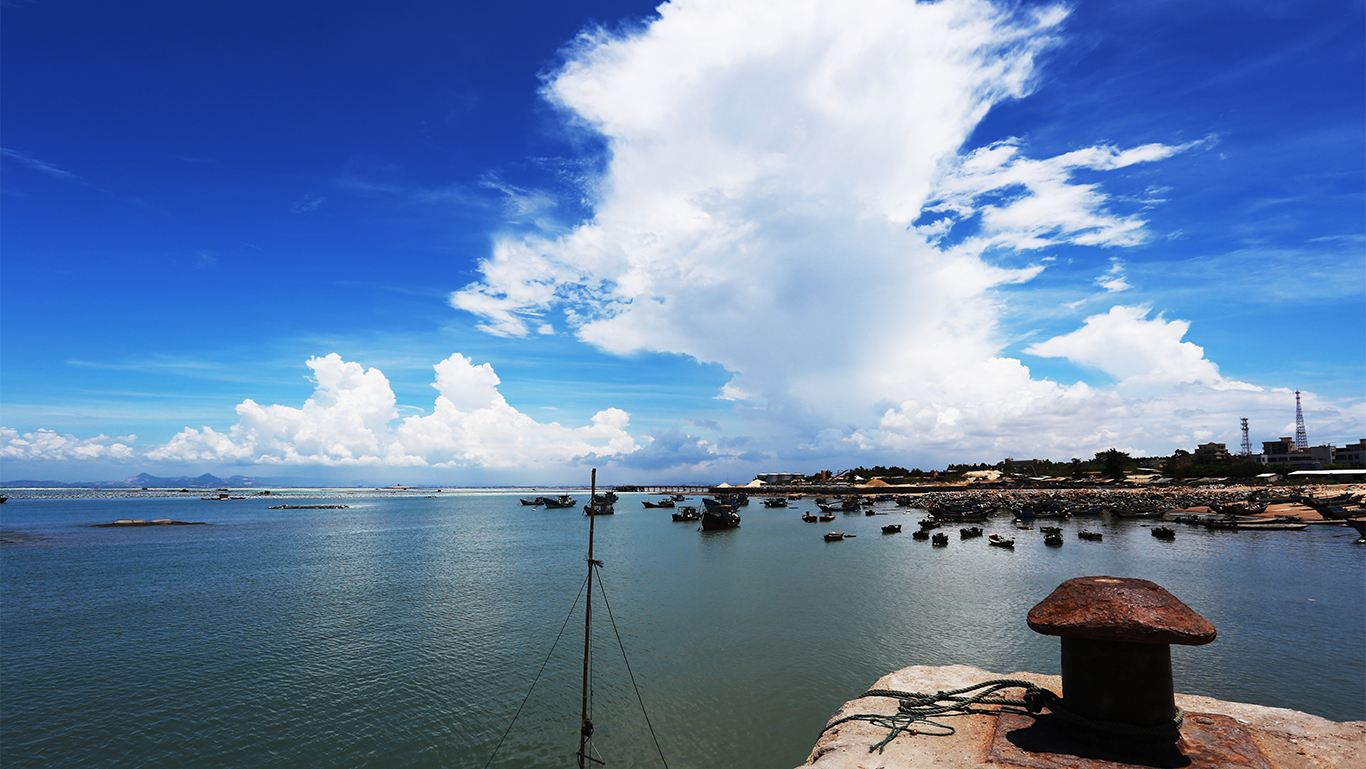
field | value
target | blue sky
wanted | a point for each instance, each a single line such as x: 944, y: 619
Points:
x: 199, y: 198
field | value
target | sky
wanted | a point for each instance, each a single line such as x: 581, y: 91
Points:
x: 495, y: 243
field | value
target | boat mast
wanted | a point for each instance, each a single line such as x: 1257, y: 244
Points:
x: 585, y: 725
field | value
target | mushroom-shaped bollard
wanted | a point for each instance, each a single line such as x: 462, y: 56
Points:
x: 1116, y: 654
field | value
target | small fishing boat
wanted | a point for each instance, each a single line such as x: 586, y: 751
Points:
x: 970, y: 532
x: 1089, y: 536
x: 834, y: 536
x: 996, y: 540
x: 713, y: 505
x: 939, y: 540
x: 599, y: 510
x: 775, y: 502
x: 928, y: 523
x: 1249, y: 526
x: 826, y: 507
x: 870, y: 511
x: 664, y: 503
x: 537, y: 502
x: 1053, y: 540
x: 920, y: 535
x: 686, y: 514
x: 718, y: 520
x: 554, y: 503
x: 1051, y: 529
x: 811, y: 517
x: 1026, y: 525
x: 1164, y: 532
x: 892, y: 528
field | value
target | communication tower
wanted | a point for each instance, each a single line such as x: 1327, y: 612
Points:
x: 1301, y: 437
x: 1247, y: 444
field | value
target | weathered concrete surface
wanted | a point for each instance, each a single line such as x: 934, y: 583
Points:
x: 1288, y: 739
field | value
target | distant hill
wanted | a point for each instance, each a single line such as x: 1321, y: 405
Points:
x: 147, y: 480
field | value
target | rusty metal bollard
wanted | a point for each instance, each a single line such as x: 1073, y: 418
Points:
x: 1116, y: 646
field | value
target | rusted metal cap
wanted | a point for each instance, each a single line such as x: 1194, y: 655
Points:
x: 1119, y: 609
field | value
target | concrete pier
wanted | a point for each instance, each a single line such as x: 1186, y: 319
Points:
x: 1215, y: 734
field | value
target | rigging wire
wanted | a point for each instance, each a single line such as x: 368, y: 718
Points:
x: 563, y: 625
x: 629, y: 672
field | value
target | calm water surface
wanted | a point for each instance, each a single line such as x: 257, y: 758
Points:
x: 404, y: 631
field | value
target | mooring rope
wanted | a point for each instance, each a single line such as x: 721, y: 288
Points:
x: 563, y: 625
x: 602, y: 589
x: 917, y: 708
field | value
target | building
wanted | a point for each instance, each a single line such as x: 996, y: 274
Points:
x: 1353, y: 454
x: 1210, y: 453
x: 780, y: 479
x: 1283, y: 454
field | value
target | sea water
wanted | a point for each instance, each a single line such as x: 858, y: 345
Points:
x: 405, y: 630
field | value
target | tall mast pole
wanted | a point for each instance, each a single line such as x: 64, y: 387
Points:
x: 585, y: 725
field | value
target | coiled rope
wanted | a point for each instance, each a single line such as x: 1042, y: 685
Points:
x: 917, y: 710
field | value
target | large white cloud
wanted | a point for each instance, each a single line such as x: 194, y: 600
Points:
x: 352, y: 419
x: 787, y: 194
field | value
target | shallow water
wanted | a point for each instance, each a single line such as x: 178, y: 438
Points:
x: 404, y: 631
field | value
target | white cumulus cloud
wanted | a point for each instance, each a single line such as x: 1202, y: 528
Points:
x: 49, y: 445
x: 352, y: 419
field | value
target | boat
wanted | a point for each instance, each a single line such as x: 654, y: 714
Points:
x: 718, y: 506
x: 870, y: 511
x: 826, y: 507
x: 940, y: 539
x: 1164, y: 532
x: 1250, y: 526
x: 537, y: 502
x: 1089, y: 536
x: 1053, y: 540
x: 677, y: 497
x: 1092, y: 510
x: 3, y: 500
x: 928, y: 523
x: 996, y: 540
x: 686, y: 514
x: 562, y: 501
x: 970, y: 532
x: 827, y: 517
x: 1051, y: 529
x: 921, y: 535
x: 1360, y: 526
x: 775, y: 502
x: 834, y: 536
x: 1026, y: 525
x: 717, y: 520
x: 666, y: 503
x: 599, y: 506
x: 892, y: 528
x: 811, y: 517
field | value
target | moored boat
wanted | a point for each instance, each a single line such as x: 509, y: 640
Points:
x: 1164, y: 532
x: 811, y: 517
x: 834, y: 536
x: 562, y: 501
x: 970, y: 532
x: 665, y: 503
x: 1090, y: 536
x: 827, y: 517
x: 775, y: 502
x: 717, y: 520
x: 1053, y: 540
x: 940, y: 539
x: 686, y: 514
x: 996, y: 540
x: 892, y: 528
x: 920, y: 535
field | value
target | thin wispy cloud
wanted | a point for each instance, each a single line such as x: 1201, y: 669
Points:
x: 41, y: 166
x: 307, y: 204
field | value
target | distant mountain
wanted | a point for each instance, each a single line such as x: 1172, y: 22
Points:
x: 147, y: 480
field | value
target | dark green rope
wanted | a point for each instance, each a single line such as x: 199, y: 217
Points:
x: 917, y: 710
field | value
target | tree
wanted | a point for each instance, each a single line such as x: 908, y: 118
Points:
x: 1112, y: 463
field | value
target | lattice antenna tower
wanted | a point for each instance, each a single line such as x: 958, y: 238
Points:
x: 1247, y: 444
x: 1301, y: 437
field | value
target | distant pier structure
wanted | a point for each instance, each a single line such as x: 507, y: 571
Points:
x: 1301, y: 436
